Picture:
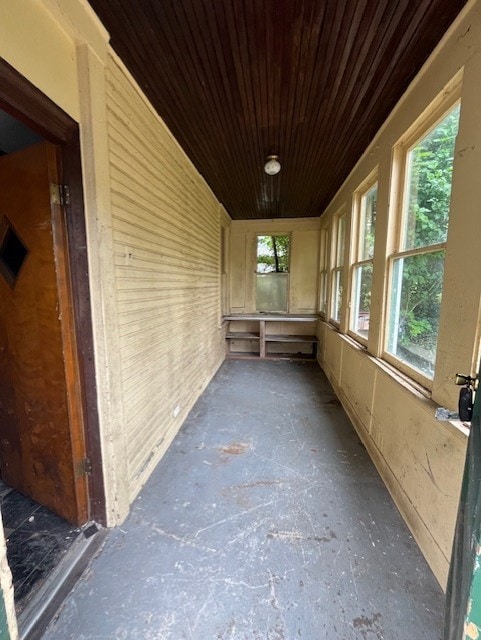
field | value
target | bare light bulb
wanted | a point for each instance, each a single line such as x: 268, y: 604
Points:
x: 272, y: 166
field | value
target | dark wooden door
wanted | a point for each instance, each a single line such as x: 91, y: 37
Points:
x: 42, y: 445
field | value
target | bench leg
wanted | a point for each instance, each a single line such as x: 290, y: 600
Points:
x: 262, y: 338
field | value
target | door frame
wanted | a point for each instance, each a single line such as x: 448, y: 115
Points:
x: 23, y: 101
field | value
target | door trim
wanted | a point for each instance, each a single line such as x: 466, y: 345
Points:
x: 29, y: 105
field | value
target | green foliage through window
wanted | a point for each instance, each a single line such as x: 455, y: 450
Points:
x: 272, y: 254
x: 417, y: 275
x: 430, y: 168
x: 272, y: 279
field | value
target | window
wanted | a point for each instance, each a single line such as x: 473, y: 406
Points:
x: 416, y: 268
x: 337, y: 271
x: 324, y: 272
x: 362, y: 267
x: 272, y: 272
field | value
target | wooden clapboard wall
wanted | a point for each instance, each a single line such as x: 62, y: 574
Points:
x: 166, y: 228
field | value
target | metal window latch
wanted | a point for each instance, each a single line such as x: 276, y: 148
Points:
x: 465, y: 405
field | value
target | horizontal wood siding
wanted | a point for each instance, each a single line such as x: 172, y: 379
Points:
x: 166, y: 228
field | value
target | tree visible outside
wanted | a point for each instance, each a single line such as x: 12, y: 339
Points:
x: 418, y: 278
x: 272, y: 254
x: 429, y: 185
x: 272, y: 273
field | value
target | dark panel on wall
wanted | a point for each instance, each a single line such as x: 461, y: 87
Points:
x: 309, y: 80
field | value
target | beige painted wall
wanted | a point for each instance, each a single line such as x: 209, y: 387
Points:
x: 61, y: 48
x: 303, y: 267
x: 420, y: 459
x: 39, y: 39
x: 153, y: 229
x: 166, y: 229
x: 34, y: 42
x: 145, y: 278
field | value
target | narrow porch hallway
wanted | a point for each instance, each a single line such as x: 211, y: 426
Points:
x: 264, y: 520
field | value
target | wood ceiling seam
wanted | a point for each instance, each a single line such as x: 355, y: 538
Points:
x: 349, y: 97
x: 292, y: 93
x: 380, y: 53
x: 234, y: 155
x: 384, y: 89
x: 235, y: 39
x: 304, y: 152
x: 239, y: 111
x: 312, y: 179
x: 359, y: 143
x: 247, y: 99
x: 173, y: 124
x: 332, y: 35
x: 224, y: 146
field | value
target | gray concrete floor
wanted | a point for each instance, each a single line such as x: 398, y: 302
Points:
x: 265, y: 520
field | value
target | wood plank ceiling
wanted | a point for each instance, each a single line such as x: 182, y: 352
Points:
x: 309, y: 80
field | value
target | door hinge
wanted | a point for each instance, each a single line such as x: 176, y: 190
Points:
x: 84, y: 467
x: 59, y: 194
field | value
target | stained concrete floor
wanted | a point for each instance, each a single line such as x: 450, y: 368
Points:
x: 265, y: 520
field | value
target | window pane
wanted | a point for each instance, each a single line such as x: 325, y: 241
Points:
x: 415, y: 304
x: 272, y: 254
x: 367, y: 224
x: 361, y: 307
x: 271, y: 293
x: 337, y: 296
x: 428, y: 185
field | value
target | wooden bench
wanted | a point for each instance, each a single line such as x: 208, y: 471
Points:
x: 261, y: 338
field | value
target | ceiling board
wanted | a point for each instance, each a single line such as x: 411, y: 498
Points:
x: 309, y: 80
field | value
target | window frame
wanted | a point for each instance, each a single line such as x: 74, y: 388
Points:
x: 338, y: 259
x: 358, y: 220
x: 287, y: 273
x: 421, y: 128
x: 224, y: 262
x: 324, y: 269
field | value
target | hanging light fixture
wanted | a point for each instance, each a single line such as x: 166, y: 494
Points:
x: 272, y: 166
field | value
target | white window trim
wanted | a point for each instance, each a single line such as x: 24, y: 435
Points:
x: 355, y: 263
x: 324, y: 264
x: 288, y: 272
x: 337, y: 268
x: 428, y: 121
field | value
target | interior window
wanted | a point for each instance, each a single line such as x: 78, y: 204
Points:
x: 272, y: 272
